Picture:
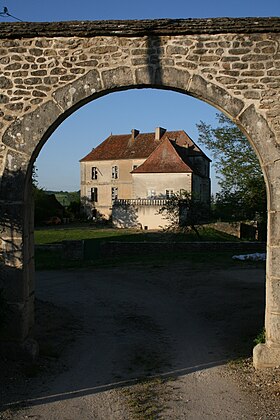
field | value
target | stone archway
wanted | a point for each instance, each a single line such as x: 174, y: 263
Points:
x: 50, y: 70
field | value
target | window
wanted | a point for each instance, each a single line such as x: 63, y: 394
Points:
x: 114, y: 193
x: 169, y: 193
x: 115, y: 172
x: 94, y: 194
x: 151, y: 193
x: 94, y: 172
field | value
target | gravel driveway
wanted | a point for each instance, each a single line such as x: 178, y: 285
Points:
x: 141, y: 342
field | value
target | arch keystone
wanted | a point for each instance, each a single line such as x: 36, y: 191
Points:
x: 117, y: 77
x: 170, y: 76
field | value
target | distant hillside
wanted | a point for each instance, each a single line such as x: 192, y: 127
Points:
x: 65, y: 197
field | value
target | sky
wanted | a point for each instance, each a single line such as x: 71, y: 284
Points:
x: 119, y: 112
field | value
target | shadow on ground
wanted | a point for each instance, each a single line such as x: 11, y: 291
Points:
x: 101, y: 329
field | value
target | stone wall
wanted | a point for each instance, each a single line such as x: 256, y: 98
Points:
x: 49, y: 70
x: 83, y: 249
x: 241, y: 230
x: 35, y: 68
x: 114, y: 248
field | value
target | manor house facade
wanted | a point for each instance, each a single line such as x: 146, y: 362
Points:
x: 143, y: 170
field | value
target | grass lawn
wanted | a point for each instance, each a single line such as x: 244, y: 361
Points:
x: 52, y: 259
x: 57, y: 234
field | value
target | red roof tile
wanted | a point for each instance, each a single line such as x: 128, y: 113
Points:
x: 164, y: 159
x: 122, y: 146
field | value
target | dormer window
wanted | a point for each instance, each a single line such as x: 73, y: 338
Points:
x: 115, y: 172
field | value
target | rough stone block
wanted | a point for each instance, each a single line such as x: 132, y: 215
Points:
x: 119, y: 77
x: 172, y: 77
x: 139, y: 61
x: 13, y: 258
x: 13, y: 178
x: 274, y: 228
x: 265, y: 356
x: 260, y: 135
x: 79, y: 90
x: 177, y: 49
x: 11, y: 220
x: 272, y: 327
x: 5, y: 83
x: 273, y: 258
x: 215, y: 95
x: 272, y: 170
x: 145, y: 75
x: 26, y: 133
x: 273, y: 294
x: 11, y: 245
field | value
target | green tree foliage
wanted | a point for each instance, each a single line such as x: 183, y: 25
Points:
x: 74, y: 208
x: 45, y: 206
x: 49, y: 204
x: 184, y: 213
x: 65, y: 197
x: 243, y: 193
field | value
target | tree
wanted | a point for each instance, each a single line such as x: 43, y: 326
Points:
x: 74, y: 208
x: 45, y: 205
x: 184, y: 212
x: 240, y: 176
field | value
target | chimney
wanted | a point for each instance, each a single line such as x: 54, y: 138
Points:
x: 134, y: 133
x: 159, y: 132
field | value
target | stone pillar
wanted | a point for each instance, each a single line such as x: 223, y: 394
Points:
x: 17, y: 279
x: 268, y: 354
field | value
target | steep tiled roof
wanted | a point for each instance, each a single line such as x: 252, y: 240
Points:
x: 165, y: 159
x: 123, y: 146
x: 189, y: 148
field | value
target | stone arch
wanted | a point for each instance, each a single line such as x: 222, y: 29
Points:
x: 174, y: 62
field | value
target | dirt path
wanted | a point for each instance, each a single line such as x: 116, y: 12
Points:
x: 117, y: 327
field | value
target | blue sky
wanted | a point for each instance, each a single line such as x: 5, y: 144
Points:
x: 120, y: 112
x: 55, y: 10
